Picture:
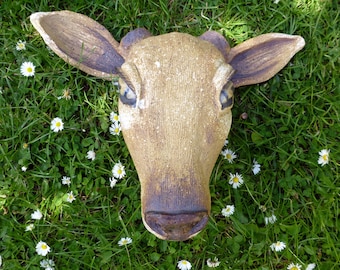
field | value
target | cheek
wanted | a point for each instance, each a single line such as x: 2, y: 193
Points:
x: 131, y: 131
x: 220, y: 132
x: 228, y: 122
x: 224, y: 124
x: 127, y: 116
x: 215, y: 135
x: 126, y: 121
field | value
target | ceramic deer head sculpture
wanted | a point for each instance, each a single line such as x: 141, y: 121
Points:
x: 176, y: 95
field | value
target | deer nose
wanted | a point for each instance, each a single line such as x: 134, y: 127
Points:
x: 176, y: 227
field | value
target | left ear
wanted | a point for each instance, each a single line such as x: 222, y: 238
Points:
x: 80, y: 41
x: 259, y: 59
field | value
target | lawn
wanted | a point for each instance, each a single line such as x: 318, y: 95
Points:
x: 282, y: 124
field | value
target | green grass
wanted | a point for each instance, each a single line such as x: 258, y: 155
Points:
x: 290, y: 119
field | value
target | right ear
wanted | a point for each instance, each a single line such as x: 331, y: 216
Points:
x: 259, y: 59
x: 80, y: 41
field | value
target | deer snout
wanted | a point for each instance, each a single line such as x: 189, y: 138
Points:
x: 176, y: 227
x: 175, y: 208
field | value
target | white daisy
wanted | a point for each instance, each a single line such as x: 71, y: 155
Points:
x: 24, y: 168
x: 113, y: 182
x: 228, y: 211
x: 57, y: 124
x: 124, y: 241
x: 66, y: 180
x: 294, y: 266
x: 310, y: 266
x: 184, y: 265
x: 27, y: 69
x: 213, y: 263
x: 91, y: 155
x: 42, y: 248
x: 270, y: 219
x: 235, y: 180
x: 118, y: 171
x: 29, y: 227
x: 229, y: 155
x: 21, y: 45
x: 114, y: 117
x: 36, y: 215
x: 278, y: 246
x: 115, y: 128
x: 324, y: 157
x: 70, y: 197
x: 256, y: 167
x: 47, y: 264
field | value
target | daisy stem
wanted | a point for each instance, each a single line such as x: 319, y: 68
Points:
x: 294, y: 255
x: 123, y: 224
x: 251, y: 195
x: 127, y: 251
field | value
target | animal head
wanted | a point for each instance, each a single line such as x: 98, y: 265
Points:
x: 176, y: 95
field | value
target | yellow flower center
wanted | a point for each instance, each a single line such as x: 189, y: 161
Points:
x: 58, y: 124
x: 235, y: 180
x: 43, y: 246
x: 116, y: 130
x: 25, y: 145
x: 294, y: 268
x: 29, y: 69
x: 184, y: 262
x: 228, y: 156
x: 325, y: 157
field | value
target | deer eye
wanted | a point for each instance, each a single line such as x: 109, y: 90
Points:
x: 227, y: 96
x: 127, y: 94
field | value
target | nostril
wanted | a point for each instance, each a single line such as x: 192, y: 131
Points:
x: 177, y: 227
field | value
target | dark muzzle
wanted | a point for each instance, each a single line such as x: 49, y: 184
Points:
x: 176, y: 227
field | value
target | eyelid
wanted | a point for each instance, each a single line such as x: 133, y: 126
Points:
x: 125, y: 79
x: 222, y: 75
x: 127, y: 92
x: 227, y: 96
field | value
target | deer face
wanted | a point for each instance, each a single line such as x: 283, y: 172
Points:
x: 177, y: 114
x: 176, y: 95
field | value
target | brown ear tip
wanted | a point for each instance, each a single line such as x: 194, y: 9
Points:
x: 299, y: 41
x: 259, y: 59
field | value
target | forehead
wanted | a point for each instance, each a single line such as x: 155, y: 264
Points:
x: 175, y: 51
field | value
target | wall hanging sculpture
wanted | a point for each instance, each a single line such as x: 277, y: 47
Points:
x: 176, y: 95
